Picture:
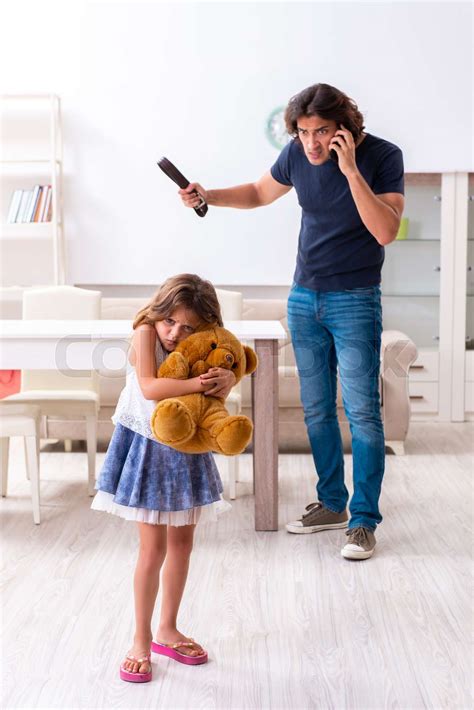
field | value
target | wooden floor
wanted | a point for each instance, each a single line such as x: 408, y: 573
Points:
x: 288, y: 623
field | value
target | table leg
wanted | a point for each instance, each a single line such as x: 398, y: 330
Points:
x: 265, y: 437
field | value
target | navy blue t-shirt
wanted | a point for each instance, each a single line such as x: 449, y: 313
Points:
x: 335, y: 249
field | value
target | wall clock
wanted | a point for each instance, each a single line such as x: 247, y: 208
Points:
x: 275, y: 128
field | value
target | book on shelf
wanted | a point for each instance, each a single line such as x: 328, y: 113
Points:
x: 33, y: 205
x: 24, y: 203
x: 47, y: 211
x: 14, y: 206
x: 38, y: 204
x: 39, y: 216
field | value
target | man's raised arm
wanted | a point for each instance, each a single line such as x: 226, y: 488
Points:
x: 252, y: 194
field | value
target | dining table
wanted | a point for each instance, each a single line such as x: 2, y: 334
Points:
x: 72, y: 345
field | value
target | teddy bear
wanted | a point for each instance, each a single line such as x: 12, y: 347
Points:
x: 196, y: 423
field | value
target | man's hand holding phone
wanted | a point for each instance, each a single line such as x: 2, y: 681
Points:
x: 343, y: 145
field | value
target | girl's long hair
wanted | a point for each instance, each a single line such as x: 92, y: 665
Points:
x: 187, y: 290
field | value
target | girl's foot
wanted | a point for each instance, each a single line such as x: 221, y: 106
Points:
x: 173, y: 636
x: 138, y: 650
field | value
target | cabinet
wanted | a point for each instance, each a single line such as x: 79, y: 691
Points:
x: 461, y: 312
x: 411, y: 287
x: 32, y: 252
x: 469, y: 296
x: 428, y: 293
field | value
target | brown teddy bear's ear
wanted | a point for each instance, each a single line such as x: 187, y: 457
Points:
x: 202, y: 327
x: 251, y: 358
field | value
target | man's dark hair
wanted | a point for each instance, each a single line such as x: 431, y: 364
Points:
x: 326, y: 102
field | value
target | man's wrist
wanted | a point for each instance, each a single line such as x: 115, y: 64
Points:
x: 354, y: 176
x: 211, y: 198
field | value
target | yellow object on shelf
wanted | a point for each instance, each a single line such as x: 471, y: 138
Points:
x: 403, y: 229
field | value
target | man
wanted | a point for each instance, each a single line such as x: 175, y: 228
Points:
x: 350, y: 187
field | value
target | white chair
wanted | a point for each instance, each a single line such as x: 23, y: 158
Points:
x: 21, y: 420
x: 231, y: 303
x: 62, y: 394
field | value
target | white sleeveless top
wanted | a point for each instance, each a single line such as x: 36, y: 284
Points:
x: 133, y: 410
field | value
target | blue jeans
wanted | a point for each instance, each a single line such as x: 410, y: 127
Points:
x: 342, y: 330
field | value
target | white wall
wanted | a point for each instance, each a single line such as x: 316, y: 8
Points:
x: 195, y: 82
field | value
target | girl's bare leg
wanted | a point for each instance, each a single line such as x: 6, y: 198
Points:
x: 175, y: 573
x: 152, y: 552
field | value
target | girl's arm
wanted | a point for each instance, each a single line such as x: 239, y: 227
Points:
x: 142, y: 357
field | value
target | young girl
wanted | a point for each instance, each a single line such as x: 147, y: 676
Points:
x: 165, y: 491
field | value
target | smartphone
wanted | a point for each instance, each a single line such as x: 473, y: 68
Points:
x: 332, y: 152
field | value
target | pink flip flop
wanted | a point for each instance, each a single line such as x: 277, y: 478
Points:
x: 136, y: 677
x: 170, y: 650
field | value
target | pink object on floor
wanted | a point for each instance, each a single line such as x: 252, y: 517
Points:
x: 172, y: 652
x: 136, y: 677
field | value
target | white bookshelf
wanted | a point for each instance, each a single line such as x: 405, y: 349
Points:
x: 32, y: 154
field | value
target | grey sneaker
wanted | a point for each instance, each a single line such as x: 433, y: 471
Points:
x: 360, y: 544
x: 318, y: 518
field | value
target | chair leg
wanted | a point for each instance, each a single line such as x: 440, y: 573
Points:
x: 32, y: 464
x: 91, y: 423
x: 4, y: 450
x: 67, y: 446
x: 232, y: 475
x: 26, y: 459
x: 236, y: 464
x: 398, y: 447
